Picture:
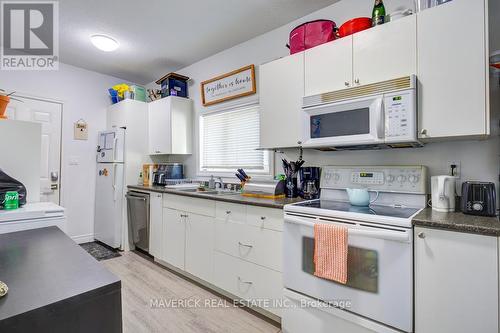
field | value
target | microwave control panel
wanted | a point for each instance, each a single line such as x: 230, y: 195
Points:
x: 400, y: 116
x: 409, y: 179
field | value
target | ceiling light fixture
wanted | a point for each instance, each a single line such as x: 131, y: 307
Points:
x: 104, y: 43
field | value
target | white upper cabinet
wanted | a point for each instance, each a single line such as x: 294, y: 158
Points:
x: 170, y: 126
x: 452, y: 71
x: 328, y: 67
x: 385, y: 52
x: 281, y: 91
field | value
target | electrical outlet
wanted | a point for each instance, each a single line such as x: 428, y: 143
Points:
x: 458, y: 169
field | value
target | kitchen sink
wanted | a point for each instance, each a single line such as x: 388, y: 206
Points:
x: 209, y: 192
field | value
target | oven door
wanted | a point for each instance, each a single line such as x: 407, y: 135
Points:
x: 380, y: 269
x: 347, y: 123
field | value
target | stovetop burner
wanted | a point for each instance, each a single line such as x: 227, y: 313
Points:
x: 371, y: 210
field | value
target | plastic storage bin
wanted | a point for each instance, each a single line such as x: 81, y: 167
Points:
x: 173, y: 84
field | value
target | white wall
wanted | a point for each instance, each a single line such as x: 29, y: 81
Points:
x: 84, y: 95
x: 479, y: 159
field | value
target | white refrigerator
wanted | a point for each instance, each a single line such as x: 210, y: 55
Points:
x: 110, y: 199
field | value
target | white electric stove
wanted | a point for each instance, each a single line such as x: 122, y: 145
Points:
x: 378, y: 296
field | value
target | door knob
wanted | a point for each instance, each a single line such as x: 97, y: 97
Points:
x: 54, y: 176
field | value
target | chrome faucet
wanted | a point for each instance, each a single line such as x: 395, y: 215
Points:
x: 221, y: 182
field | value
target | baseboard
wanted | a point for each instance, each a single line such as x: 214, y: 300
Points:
x: 83, y: 238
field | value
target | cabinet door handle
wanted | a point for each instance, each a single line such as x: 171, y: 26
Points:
x: 262, y: 218
x: 240, y: 280
x: 245, y: 245
x: 421, y: 235
x: 157, y: 151
x: 228, y: 212
x: 347, y: 84
x: 299, y: 142
x: 356, y: 81
x: 184, y: 215
x: 423, y: 132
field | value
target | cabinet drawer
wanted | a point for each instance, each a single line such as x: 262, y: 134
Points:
x: 230, y: 212
x: 248, y: 281
x: 268, y: 218
x: 187, y: 204
x: 257, y: 245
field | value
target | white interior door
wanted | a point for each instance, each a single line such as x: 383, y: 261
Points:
x: 49, y: 114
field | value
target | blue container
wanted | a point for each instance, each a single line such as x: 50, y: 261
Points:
x: 114, y: 95
x: 174, y: 84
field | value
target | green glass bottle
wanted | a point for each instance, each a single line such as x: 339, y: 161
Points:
x: 378, y: 14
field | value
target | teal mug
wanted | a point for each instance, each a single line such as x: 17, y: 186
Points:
x: 360, y: 197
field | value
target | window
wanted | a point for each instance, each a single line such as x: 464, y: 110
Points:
x: 229, y: 140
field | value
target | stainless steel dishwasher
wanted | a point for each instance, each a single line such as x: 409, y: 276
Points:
x: 138, y: 219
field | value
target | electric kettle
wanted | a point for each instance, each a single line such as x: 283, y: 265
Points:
x: 443, y: 193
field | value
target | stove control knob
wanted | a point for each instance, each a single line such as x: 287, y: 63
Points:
x: 413, y: 179
x: 477, y: 206
x: 401, y: 178
x: 390, y: 178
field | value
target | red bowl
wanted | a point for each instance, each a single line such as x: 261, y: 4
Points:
x: 355, y: 25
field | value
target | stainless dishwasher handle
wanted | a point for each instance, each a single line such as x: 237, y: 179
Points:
x: 135, y: 198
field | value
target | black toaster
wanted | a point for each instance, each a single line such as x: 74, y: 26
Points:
x: 479, y: 198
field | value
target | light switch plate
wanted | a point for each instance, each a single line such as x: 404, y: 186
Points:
x: 81, y: 131
x: 73, y: 160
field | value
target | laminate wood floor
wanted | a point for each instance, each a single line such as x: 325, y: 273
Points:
x: 144, y: 282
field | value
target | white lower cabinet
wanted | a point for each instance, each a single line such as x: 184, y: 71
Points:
x: 256, y: 284
x: 456, y: 282
x: 257, y: 245
x: 174, y: 234
x: 235, y: 247
x: 199, y: 246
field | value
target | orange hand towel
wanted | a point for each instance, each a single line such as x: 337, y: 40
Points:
x: 330, y: 252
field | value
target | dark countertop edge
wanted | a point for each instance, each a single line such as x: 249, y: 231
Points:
x: 107, y: 284
x: 82, y: 297
x: 226, y: 198
x: 458, y: 222
x: 470, y: 229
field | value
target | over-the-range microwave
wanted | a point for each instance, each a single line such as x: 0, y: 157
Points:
x: 374, y: 116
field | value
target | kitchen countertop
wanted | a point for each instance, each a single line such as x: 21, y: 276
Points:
x: 55, y: 286
x: 233, y: 198
x: 457, y: 221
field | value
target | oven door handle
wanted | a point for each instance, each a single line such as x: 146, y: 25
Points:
x: 386, y: 234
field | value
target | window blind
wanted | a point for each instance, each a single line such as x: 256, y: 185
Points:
x: 230, y: 139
